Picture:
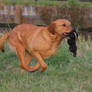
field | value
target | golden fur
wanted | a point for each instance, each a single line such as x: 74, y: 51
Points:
x: 30, y: 41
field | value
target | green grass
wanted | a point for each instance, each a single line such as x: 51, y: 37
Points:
x: 49, y: 3
x: 64, y: 73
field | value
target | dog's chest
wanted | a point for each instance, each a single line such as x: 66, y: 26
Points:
x: 50, y: 52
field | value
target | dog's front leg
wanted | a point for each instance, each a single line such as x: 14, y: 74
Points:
x: 40, y: 60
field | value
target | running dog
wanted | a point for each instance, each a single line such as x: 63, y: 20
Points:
x: 29, y: 41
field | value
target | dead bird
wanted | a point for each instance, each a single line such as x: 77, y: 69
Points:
x: 73, y: 36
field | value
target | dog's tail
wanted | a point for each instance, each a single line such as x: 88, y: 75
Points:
x: 3, y: 41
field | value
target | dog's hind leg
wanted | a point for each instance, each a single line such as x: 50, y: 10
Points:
x: 21, y: 53
x: 36, y: 67
x: 28, y: 60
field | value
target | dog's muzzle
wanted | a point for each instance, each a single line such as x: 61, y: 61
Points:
x: 72, y: 34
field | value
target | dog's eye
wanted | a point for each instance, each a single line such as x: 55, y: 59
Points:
x: 64, y: 25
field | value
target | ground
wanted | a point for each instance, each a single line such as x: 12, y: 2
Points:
x: 65, y: 73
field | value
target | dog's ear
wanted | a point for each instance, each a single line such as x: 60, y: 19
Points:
x: 51, y: 28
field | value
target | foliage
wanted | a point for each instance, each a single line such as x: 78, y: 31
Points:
x: 73, y: 2
x: 48, y: 2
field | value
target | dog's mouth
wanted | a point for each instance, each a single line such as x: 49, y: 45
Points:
x: 67, y: 34
x: 72, y: 34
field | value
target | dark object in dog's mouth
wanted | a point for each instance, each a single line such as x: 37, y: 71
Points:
x: 72, y: 37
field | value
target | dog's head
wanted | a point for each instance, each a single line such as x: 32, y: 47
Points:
x: 61, y: 27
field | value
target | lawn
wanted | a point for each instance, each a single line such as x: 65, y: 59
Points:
x: 64, y: 73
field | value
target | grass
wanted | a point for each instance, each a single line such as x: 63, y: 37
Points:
x: 64, y: 73
x: 49, y: 3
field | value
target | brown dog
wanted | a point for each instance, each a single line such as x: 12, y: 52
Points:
x: 30, y: 41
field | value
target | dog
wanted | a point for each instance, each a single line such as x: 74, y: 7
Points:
x: 29, y: 41
x: 73, y: 36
